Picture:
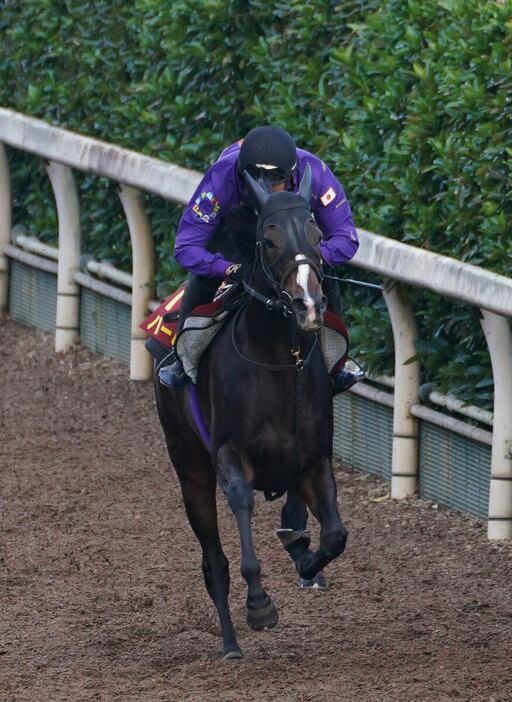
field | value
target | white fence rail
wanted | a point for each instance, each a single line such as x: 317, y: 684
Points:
x: 397, y: 262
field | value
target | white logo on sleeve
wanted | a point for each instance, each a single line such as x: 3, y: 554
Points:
x: 328, y: 197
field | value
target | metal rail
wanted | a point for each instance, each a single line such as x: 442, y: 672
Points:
x: 395, y: 261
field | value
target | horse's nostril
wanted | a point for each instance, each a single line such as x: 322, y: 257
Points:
x: 323, y: 304
x: 299, y: 306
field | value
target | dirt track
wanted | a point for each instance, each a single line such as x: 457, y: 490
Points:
x: 101, y: 594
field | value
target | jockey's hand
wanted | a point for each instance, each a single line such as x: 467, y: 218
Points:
x: 236, y: 272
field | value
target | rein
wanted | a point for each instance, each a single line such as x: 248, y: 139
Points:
x: 351, y: 281
x: 271, y: 303
x: 298, y: 365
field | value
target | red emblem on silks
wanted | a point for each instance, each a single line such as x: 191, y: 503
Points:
x: 328, y: 197
x: 155, y: 326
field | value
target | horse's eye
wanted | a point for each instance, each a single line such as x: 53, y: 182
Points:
x: 313, y: 233
x: 274, y: 240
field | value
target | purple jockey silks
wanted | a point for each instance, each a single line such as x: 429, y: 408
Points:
x: 222, y: 189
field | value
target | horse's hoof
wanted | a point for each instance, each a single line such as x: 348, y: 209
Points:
x: 264, y: 618
x: 232, y: 656
x: 316, y: 583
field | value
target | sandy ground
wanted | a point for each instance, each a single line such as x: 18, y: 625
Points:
x: 101, y: 593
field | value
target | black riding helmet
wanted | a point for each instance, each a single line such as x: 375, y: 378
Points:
x: 269, y: 155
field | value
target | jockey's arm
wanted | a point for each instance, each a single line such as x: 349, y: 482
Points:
x: 191, y: 253
x: 334, y: 217
x: 199, y: 221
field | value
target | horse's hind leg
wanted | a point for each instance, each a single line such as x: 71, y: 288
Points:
x: 198, y: 487
x: 261, y: 612
x: 319, y: 492
x: 295, y: 538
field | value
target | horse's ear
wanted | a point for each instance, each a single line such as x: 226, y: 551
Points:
x: 259, y: 195
x: 306, y: 184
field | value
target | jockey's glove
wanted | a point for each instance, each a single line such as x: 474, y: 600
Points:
x: 236, y: 272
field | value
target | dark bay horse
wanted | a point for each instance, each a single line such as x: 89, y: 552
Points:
x: 265, y: 397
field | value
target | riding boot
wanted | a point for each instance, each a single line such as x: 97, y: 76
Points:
x: 341, y: 379
x: 198, y: 291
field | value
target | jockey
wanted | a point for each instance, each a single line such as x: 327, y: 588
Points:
x: 269, y: 154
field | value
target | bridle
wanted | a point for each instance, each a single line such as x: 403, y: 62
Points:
x: 281, y: 300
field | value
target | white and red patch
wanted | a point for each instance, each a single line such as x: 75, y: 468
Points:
x: 328, y: 197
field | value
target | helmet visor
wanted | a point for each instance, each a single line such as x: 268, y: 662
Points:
x: 266, y: 176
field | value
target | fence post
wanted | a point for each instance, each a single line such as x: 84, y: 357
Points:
x: 143, y: 270
x: 67, y: 321
x: 499, y: 340
x: 5, y: 226
x: 404, y: 467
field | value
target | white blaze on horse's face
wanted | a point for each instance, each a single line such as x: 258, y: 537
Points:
x: 308, y: 292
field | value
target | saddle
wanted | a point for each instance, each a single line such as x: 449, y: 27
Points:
x: 204, y: 323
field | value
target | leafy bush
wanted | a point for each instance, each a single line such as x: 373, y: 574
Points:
x: 408, y: 101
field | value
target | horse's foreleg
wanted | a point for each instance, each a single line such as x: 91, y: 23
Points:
x: 261, y: 612
x: 295, y: 538
x: 319, y: 492
x: 198, y: 485
x: 202, y: 514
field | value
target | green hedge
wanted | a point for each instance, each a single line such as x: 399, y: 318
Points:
x: 410, y: 103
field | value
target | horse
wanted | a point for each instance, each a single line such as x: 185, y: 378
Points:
x: 264, y: 397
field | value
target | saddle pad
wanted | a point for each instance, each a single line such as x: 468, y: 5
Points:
x: 199, y: 329
x: 206, y: 321
x: 163, y: 330
x: 198, y: 332
x: 154, y: 325
x: 202, y: 326
x: 334, y: 341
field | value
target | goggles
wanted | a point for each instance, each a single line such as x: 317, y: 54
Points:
x: 268, y: 174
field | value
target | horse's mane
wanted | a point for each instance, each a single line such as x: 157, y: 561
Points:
x: 235, y: 238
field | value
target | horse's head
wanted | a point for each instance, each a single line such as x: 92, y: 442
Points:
x: 288, y: 241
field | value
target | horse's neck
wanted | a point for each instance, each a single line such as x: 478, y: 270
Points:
x: 269, y: 336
